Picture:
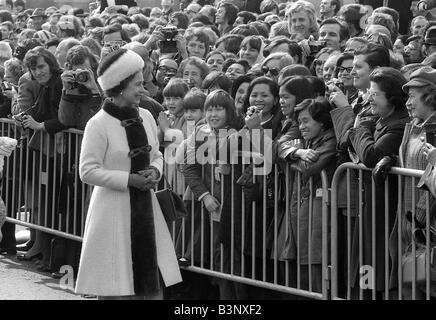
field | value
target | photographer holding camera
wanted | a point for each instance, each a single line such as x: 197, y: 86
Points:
x: 80, y: 94
x: 170, y: 42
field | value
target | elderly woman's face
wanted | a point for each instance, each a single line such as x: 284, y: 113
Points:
x: 416, y: 106
x: 300, y: 23
x: 192, y: 74
x: 41, y: 71
x: 134, y: 90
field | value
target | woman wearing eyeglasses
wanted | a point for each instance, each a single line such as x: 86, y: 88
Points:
x: 344, y: 66
x: 275, y: 62
x: 372, y: 141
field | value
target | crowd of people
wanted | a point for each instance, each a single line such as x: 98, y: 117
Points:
x: 317, y: 83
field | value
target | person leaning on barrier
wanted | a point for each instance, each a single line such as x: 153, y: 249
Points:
x: 413, y: 151
x: 80, y: 93
x: 317, y: 153
x: 373, y: 140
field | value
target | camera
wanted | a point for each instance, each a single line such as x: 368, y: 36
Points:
x: 169, y: 32
x: 81, y: 76
x: 316, y: 46
x: 19, y: 117
x: 338, y: 83
x: 169, y: 45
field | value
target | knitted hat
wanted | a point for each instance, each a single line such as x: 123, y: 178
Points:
x: 127, y: 64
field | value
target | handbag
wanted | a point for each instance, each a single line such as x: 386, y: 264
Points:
x: 419, y: 261
x: 172, y: 206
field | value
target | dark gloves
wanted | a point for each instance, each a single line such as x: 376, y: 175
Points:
x: 382, y: 168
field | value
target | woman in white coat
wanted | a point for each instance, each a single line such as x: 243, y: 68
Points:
x: 127, y: 249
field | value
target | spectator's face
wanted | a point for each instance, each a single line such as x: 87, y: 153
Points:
x: 329, y: 68
x: 174, y: 21
x: 193, y: 74
x: 167, y: 70
x: 191, y: 11
x: 54, y: 19
x: 235, y: 70
x: 41, y: 71
x: 216, y: 117
x: 319, y: 64
x: 344, y: 73
x: 134, y: 91
x: 37, y: 22
x: 398, y: 46
x: 174, y: 105
x: 263, y: 99
x: 31, y: 24
x: 415, y: 11
x: 21, y: 23
x: 378, y: 101
x: 208, y: 13
x: 156, y: 14
x: 85, y: 65
x: 196, y: 48
x: 193, y: 115
x: 300, y: 23
x: 240, y: 96
x: 325, y: 7
x: 361, y: 71
x: 215, y: 62
x: 418, y: 27
x: 272, y: 69
x: 413, y: 52
x: 4, y: 32
x: 220, y: 14
x: 353, y: 45
x: 330, y: 34
x: 287, y: 102
x: 9, y: 77
x: 166, y: 4
x: 309, y: 128
x: 416, y: 106
x: 249, y: 54
x: 239, y: 21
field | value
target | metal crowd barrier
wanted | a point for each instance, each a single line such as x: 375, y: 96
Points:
x: 34, y: 174
x: 32, y: 181
x: 382, y: 269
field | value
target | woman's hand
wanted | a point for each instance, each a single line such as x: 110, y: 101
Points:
x: 151, y: 175
x: 253, y: 120
x: 164, y: 123
x: 307, y: 155
x: 430, y: 152
x: 10, y: 94
x: 156, y: 36
x: 181, y: 45
x: 140, y: 182
x: 211, y: 203
x: 29, y: 122
x: 337, y: 97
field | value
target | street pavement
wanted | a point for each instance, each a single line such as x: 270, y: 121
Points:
x: 20, y: 280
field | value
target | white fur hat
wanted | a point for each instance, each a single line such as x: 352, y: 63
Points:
x: 127, y: 64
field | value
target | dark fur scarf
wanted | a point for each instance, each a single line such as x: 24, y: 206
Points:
x: 143, y: 244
